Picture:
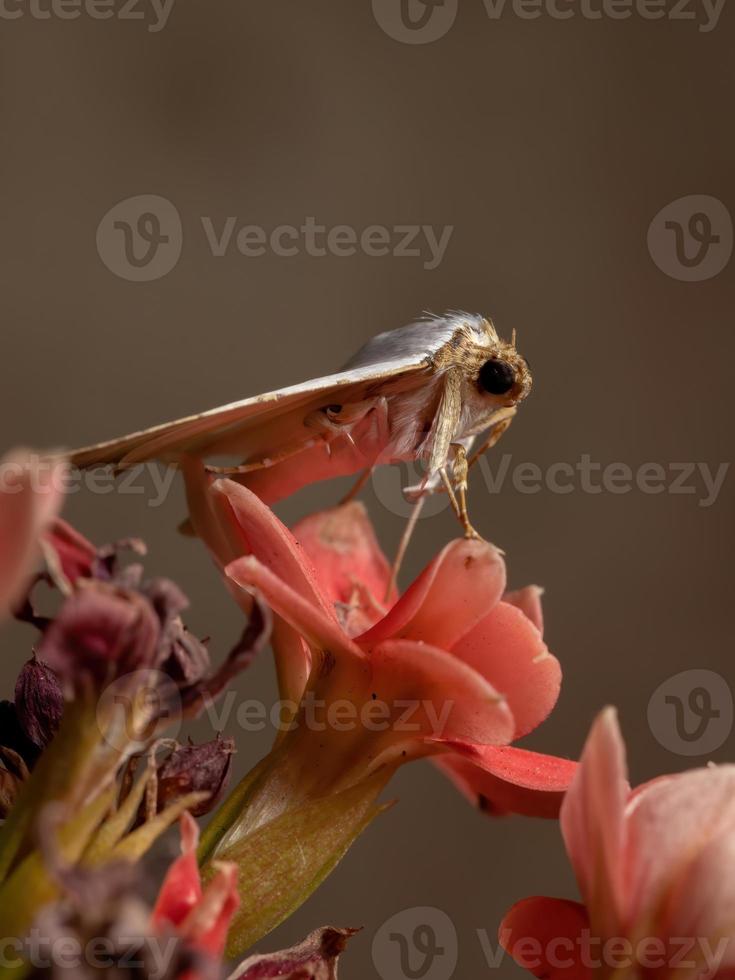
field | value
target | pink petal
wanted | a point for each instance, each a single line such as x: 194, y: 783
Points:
x: 181, y: 889
x: 308, y: 620
x: 701, y: 901
x: 232, y: 522
x: 259, y: 533
x: 292, y: 656
x: 528, y: 600
x: 593, y: 823
x: 31, y: 494
x: 202, y: 917
x: 352, y: 569
x: 457, y: 589
x: 69, y: 551
x: 210, y: 522
x: 207, y: 924
x: 507, y: 649
x: 678, y: 856
x: 504, y: 779
x: 543, y: 935
x: 447, y: 699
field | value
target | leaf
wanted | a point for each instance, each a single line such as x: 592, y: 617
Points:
x: 284, y: 861
x: 115, y: 826
x: 134, y: 846
x: 64, y: 772
x: 226, y: 814
x: 31, y: 885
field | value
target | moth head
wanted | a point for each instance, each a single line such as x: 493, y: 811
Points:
x: 503, y: 374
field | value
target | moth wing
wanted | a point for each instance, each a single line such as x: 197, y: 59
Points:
x: 257, y: 425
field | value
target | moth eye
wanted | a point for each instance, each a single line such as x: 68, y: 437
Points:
x: 496, y: 377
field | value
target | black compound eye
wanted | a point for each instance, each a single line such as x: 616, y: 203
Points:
x: 496, y: 377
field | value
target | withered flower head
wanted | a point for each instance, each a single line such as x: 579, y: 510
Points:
x: 196, y: 768
x: 26, y: 727
x: 70, y: 556
x: 314, y: 959
x: 113, y: 623
x: 101, y: 906
x: 101, y: 632
x: 182, y: 656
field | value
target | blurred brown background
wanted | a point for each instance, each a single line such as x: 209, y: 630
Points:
x: 549, y: 146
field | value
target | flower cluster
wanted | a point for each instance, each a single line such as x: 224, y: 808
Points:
x: 454, y: 669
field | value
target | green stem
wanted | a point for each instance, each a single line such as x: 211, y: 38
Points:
x: 60, y: 774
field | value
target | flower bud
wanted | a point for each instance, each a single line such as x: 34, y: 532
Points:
x: 39, y: 702
x: 196, y: 768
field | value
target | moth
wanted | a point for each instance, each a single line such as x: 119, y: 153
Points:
x: 424, y: 392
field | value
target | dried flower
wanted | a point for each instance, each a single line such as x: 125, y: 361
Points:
x: 195, y: 768
x: 39, y: 702
x: 101, y: 632
x: 314, y: 959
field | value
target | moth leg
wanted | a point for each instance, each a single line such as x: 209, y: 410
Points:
x: 450, y: 492
x: 357, y: 487
x: 506, y: 416
x: 403, y: 545
x: 460, y: 469
x: 259, y: 464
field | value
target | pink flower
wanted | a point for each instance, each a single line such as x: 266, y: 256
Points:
x: 31, y: 492
x: 200, y: 916
x: 655, y: 867
x: 450, y: 669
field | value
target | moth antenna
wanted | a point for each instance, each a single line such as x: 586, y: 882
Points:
x: 513, y: 337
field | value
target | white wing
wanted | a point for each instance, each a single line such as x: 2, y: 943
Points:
x: 264, y: 424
